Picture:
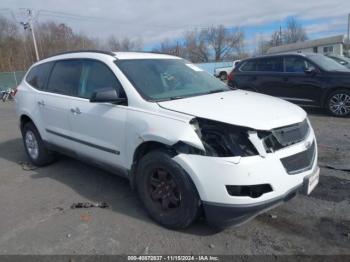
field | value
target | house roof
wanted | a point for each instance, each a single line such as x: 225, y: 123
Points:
x: 307, y: 44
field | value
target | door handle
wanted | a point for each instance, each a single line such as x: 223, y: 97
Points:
x: 75, y: 111
x: 41, y: 103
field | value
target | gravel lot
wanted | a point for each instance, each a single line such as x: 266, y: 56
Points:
x: 36, y: 217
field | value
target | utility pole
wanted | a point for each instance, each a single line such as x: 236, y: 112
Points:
x: 280, y: 38
x: 29, y: 25
x: 348, y: 42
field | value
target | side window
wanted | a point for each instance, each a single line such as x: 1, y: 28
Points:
x: 248, y: 66
x: 37, y: 77
x: 65, y: 77
x: 272, y: 64
x: 96, y: 75
x: 295, y: 64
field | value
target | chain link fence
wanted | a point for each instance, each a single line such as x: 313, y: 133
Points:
x: 10, y: 79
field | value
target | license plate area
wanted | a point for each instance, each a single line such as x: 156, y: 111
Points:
x: 311, y: 181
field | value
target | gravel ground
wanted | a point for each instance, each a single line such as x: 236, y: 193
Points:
x: 36, y: 217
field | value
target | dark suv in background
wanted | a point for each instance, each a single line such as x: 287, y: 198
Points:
x: 305, y: 79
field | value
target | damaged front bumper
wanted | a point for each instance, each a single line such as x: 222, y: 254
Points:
x: 213, y: 176
x: 226, y: 215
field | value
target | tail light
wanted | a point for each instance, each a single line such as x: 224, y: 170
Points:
x: 230, y: 76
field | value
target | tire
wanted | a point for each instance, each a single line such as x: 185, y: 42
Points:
x: 223, y: 76
x: 157, y: 166
x: 35, y: 148
x: 338, y: 103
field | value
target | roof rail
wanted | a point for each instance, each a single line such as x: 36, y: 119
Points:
x: 84, y: 51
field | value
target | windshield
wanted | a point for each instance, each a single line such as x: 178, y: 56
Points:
x: 342, y: 60
x: 167, y: 79
x: 327, y: 63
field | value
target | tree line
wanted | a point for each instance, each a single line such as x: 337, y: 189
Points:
x: 215, y: 43
x: 293, y: 32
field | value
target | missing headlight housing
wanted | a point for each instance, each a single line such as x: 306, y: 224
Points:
x: 223, y: 140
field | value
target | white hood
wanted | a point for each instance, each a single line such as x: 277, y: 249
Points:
x: 240, y: 108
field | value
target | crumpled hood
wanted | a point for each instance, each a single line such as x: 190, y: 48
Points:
x: 242, y: 108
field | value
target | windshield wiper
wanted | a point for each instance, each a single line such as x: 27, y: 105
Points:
x: 216, y: 91
x: 175, y: 97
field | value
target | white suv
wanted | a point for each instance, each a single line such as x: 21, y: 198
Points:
x: 186, y: 141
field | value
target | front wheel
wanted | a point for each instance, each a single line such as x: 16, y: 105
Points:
x: 338, y: 103
x: 166, y: 191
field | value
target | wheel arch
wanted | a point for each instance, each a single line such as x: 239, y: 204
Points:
x: 152, y: 145
x: 141, y: 150
x: 24, y: 119
x: 329, y: 92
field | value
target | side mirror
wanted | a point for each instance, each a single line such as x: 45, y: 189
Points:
x: 311, y: 71
x: 107, y: 95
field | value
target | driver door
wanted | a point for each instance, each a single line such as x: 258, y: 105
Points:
x: 98, y: 129
x: 301, y: 87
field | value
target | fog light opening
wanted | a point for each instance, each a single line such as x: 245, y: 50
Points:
x: 253, y: 191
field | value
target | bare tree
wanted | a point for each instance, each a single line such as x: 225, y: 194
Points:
x: 223, y: 41
x: 294, y: 32
x: 131, y: 45
x: 170, y: 47
x: 195, y: 47
x: 11, y: 46
x: 125, y: 44
x: 113, y: 44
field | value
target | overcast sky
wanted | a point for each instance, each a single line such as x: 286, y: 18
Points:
x: 154, y: 20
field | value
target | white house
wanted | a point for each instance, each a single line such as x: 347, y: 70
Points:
x: 328, y: 45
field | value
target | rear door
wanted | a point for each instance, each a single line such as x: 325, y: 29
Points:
x: 269, y: 76
x: 98, y: 129
x: 55, y: 102
x: 263, y: 75
x: 37, y: 78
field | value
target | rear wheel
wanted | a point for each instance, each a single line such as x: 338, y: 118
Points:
x: 338, y: 103
x: 223, y: 76
x: 167, y: 191
x: 35, y: 148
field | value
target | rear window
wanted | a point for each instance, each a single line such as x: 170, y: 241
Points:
x: 248, y: 66
x: 37, y: 76
x: 268, y: 64
x: 272, y: 64
x: 65, y: 77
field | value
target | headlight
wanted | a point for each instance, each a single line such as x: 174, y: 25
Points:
x: 223, y: 140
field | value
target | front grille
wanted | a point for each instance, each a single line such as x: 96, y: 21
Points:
x: 291, y: 134
x: 300, y: 162
x: 284, y: 136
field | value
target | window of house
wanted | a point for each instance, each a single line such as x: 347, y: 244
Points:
x: 328, y: 49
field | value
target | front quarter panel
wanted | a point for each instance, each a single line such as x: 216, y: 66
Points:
x: 143, y: 126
